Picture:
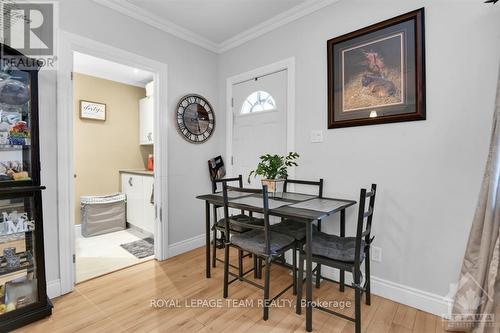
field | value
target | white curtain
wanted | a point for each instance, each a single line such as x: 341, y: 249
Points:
x: 476, y: 306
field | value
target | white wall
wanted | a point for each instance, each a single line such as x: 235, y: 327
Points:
x: 428, y: 172
x: 191, y: 69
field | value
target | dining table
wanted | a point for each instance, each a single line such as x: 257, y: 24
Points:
x: 306, y: 208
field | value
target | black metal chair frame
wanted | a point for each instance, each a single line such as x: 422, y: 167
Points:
x: 354, y: 267
x: 300, y: 243
x: 219, y: 242
x: 267, y: 256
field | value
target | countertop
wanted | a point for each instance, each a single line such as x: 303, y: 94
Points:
x: 139, y: 172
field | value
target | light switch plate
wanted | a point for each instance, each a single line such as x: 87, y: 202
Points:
x: 316, y: 136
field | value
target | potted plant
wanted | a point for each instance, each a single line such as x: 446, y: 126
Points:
x: 274, y: 169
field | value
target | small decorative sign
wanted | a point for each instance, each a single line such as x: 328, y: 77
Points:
x: 92, y: 110
x: 13, y: 223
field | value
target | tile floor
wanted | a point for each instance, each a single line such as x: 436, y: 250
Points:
x: 99, y: 255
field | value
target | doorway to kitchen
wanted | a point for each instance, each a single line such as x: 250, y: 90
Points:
x: 114, y: 166
x: 68, y: 109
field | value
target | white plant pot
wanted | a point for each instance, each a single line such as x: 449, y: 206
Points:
x: 273, y: 185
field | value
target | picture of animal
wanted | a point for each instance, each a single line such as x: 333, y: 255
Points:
x: 372, y: 74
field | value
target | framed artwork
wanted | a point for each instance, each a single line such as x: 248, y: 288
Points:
x: 92, y: 110
x: 376, y: 74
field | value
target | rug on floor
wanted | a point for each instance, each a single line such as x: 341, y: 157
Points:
x: 141, y: 248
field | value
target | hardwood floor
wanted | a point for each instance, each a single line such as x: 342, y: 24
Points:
x: 121, y: 302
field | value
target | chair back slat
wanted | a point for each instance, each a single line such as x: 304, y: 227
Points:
x: 364, y: 213
x: 368, y: 213
x: 319, y: 184
x: 265, y: 213
x: 238, y: 179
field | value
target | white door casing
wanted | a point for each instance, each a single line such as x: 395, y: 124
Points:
x: 68, y: 44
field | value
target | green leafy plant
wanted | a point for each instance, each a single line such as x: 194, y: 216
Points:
x: 274, y: 166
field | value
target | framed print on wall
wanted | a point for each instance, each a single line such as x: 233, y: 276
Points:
x: 376, y: 74
x: 92, y: 110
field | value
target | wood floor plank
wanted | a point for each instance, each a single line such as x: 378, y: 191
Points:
x: 122, y: 302
x: 405, y: 316
x: 424, y: 323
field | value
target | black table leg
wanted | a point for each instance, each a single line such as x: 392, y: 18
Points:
x: 342, y: 234
x: 207, y: 237
x: 308, y: 277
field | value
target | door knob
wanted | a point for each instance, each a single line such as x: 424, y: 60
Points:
x: 130, y: 181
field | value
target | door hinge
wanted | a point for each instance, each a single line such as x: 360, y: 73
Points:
x: 232, y: 160
x: 161, y: 213
x: 74, y: 258
x: 232, y: 102
x: 71, y: 75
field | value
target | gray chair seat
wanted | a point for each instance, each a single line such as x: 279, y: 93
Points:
x: 292, y: 228
x: 220, y: 225
x: 253, y: 241
x: 335, y: 247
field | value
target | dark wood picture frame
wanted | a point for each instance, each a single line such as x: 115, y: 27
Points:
x: 412, y: 95
x: 91, y: 118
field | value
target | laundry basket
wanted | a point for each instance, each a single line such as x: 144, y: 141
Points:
x: 102, y: 214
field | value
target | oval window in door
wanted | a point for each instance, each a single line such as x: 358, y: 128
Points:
x: 258, y: 101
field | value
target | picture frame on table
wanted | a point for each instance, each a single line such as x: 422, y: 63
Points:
x: 376, y: 75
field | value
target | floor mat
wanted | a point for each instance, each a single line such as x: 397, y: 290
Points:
x: 141, y: 248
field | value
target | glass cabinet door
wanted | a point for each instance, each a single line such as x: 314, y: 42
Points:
x: 18, y: 266
x: 15, y: 126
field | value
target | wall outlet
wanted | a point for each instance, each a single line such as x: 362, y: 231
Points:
x: 316, y: 136
x: 376, y: 253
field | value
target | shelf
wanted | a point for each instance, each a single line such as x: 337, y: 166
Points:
x: 18, y: 186
x: 25, y: 264
x: 13, y: 147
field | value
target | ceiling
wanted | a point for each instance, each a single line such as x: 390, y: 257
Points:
x: 104, y: 69
x: 217, y: 25
x: 216, y: 20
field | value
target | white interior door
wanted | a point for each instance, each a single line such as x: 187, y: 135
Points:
x: 259, y: 121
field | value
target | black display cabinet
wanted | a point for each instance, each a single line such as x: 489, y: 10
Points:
x: 23, y: 295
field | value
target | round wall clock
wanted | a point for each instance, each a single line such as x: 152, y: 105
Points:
x: 195, y: 118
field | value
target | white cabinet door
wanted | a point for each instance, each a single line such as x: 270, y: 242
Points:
x: 149, y: 208
x: 132, y: 186
x: 146, y: 121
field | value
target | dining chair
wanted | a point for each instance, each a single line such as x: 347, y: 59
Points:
x: 297, y: 229
x: 219, y: 224
x: 260, y: 241
x: 345, y: 253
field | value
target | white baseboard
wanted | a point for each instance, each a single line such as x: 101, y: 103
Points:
x: 418, y: 299
x: 415, y: 298
x: 186, y: 245
x: 78, y: 230
x: 54, y: 288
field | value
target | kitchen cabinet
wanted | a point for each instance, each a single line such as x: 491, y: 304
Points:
x: 140, y: 210
x: 148, y: 204
x: 146, y: 121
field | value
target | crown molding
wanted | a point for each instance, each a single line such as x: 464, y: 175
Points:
x: 294, y: 13
x: 140, y: 14
x: 271, y: 24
